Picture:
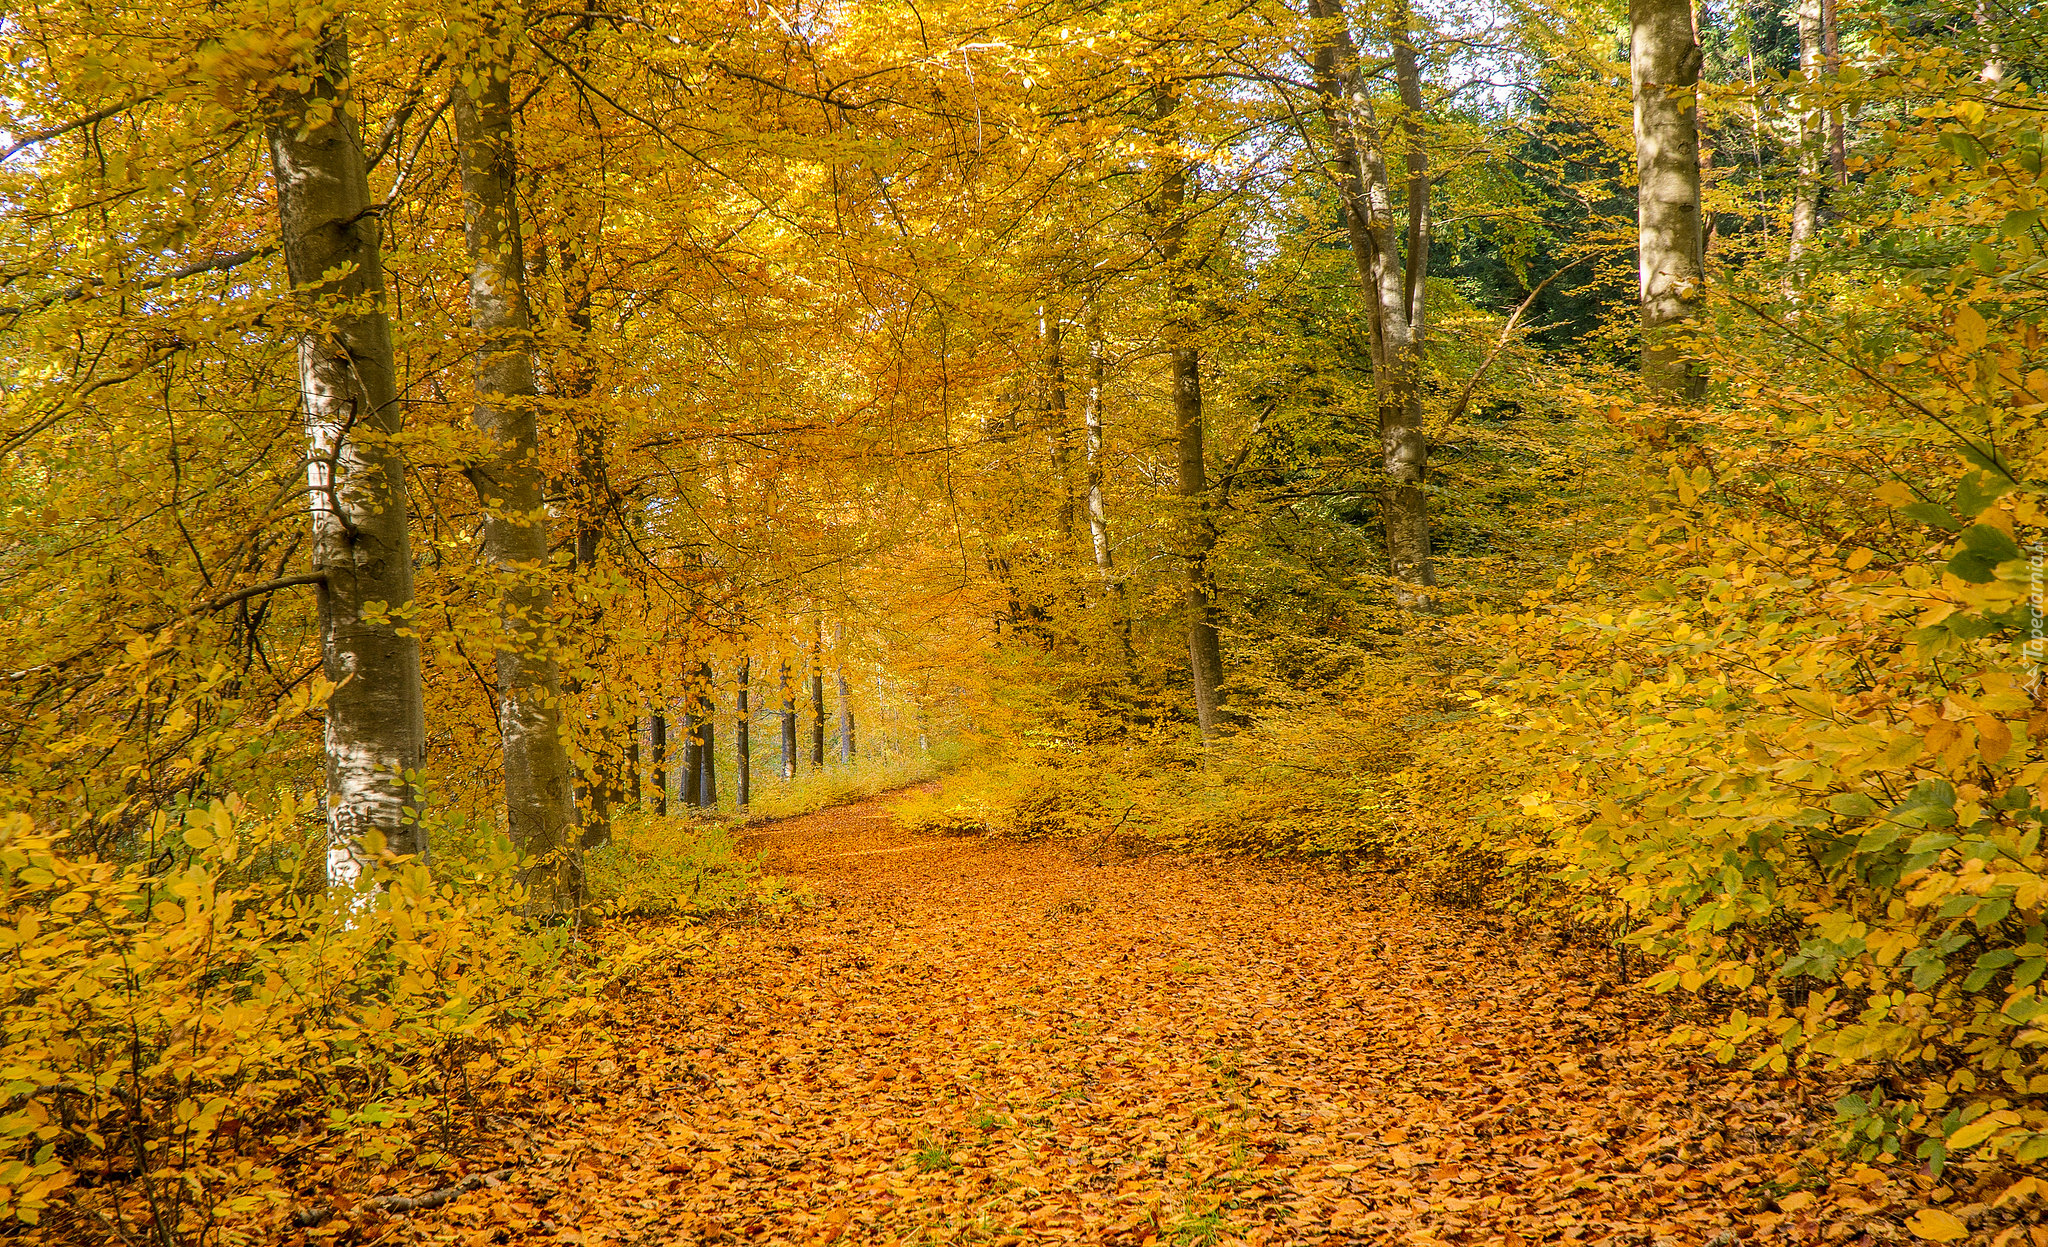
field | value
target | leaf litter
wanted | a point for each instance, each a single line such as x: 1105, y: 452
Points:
x: 966, y: 1041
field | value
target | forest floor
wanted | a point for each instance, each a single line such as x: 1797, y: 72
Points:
x: 960, y: 1041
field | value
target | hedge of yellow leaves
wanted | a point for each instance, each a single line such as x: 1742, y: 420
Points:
x: 1787, y: 737
x: 181, y: 1047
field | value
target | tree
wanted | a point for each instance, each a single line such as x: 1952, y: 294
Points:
x: 1664, y: 68
x: 1198, y: 529
x: 361, y: 543
x: 540, y: 806
x: 1393, y: 279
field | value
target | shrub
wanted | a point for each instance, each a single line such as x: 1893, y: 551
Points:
x: 182, y: 1045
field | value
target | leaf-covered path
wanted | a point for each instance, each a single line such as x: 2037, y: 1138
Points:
x: 991, y: 1043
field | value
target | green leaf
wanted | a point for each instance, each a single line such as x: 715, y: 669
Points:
x: 1984, y: 548
x: 1932, y: 514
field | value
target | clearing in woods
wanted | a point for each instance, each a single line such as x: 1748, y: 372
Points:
x: 980, y: 1042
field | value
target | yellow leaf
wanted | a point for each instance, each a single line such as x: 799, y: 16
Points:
x: 1935, y: 1225
x: 1970, y: 329
x: 1974, y: 1133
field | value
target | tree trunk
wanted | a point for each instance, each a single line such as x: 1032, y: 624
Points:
x: 1806, y: 190
x: 845, y: 697
x: 1205, y: 645
x: 1395, y: 291
x: 1831, y: 53
x: 1664, y: 63
x: 691, y: 791
x: 658, y: 745
x: 743, y: 779
x: 375, y: 732
x: 817, y: 701
x: 633, y: 761
x: 788, y: 722
x: 707, y: 739
x: 539, y: 803
x: 1098, y: 518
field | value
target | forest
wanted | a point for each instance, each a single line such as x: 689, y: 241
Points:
x: 1158, y: 623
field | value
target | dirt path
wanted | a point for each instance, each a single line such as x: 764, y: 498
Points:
x: 978, y: 1043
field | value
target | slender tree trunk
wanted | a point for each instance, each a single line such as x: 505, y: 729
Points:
x: 1395, y: 291
x: 845, y: 697
x: 539, y: 804
x: 1664, y: 63
x: 817, y: 698
x: 1806, y: 190
x: 375, y: 731
x: 1831, y: 53
x: 707, y: 739
x: 658, y: 745
x: 1204, y: 641
x: 633, y: 761
x: 743, y: 780
x: 788, y: 722
x: 1098, y: 518
x: 691, y: 791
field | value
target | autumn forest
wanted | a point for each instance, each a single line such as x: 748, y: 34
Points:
x: 1156, y: 624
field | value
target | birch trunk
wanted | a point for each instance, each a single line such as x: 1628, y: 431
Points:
x: 375, y: 731
x: 1664, y: 64
x: 1205, y: 645
x: 539, y: 801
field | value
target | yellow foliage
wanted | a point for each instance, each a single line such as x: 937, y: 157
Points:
x: 157, y: 1022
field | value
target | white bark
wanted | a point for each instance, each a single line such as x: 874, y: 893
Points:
x: 375, y: 734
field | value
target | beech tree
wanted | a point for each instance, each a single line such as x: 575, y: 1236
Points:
x: 1664, y: 68
x: 361, y: 542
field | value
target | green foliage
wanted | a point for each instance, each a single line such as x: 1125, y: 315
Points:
x: 179, y: 1045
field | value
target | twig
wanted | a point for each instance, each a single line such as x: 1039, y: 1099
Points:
x: 405, y: 1203
x: 1506, y: 331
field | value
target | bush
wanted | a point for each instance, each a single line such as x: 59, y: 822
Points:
x: 181, y: 1046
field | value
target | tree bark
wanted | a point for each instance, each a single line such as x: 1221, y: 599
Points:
x: 743, y: 779
x: 1395, y: 292
x: 1831, y: 53
x: 658, y: 746
x: 817, y: 700
x: 788, y: 722
x: 707, y: 739
x: 690, y: 792
x: 375, y: 733
x: 845, y: 697
x: 633, y: 762
x: 1204, y: 641
x: 539, y: 801
x: 1806, y: 189
x: 1098, y: 518
x: 1664, y: 64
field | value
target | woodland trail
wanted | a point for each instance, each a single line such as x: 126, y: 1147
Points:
x: 970, y: 1042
